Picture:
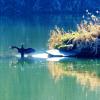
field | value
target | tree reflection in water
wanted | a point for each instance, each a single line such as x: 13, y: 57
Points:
x: 86, y: 72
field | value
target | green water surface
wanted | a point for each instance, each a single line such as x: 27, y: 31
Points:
x: 38, y: 79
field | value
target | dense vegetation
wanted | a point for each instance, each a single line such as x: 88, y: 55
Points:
x: 86, y: 39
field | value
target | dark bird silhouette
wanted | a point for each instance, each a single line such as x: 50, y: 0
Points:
x: 23, y: 50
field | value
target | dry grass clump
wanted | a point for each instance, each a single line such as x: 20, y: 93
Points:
x: 86, y: 37
x: 56, y: 38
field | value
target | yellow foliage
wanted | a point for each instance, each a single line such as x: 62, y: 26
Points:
x: 85, y: 36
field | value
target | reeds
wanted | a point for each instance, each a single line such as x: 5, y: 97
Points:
x: 87, y: 37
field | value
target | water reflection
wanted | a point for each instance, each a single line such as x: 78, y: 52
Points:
x: 85, y: 72
x: 26, y: 80
x: 21, y: 61
x: 33, y: 32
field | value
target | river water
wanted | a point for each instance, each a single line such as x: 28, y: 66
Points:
x: 42, y: 79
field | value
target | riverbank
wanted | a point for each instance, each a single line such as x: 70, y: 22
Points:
x: 85, y: 40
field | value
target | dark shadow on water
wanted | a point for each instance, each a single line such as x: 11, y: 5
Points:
x: 26, y: 60
x: 23, y: 61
